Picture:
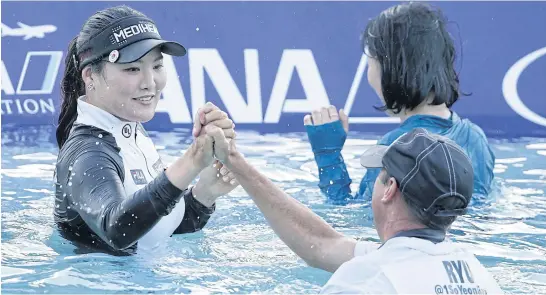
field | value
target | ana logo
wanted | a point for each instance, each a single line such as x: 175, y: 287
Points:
x: 27, y: 31
x: 138, y: 176
x: 126, y: 131
x: 510, y: 87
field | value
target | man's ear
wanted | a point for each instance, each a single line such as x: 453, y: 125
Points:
x: 391, y: 189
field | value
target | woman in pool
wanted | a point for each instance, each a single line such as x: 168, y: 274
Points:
x: 410, y: 67
x: 112, y: 189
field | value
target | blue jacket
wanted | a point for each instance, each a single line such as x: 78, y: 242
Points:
x: 327, y: 141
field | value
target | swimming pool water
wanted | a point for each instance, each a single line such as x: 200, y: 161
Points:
x: 237, y: 252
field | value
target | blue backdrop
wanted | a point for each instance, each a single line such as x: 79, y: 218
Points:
x: 270, y: 63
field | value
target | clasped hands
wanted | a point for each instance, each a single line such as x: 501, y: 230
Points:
x: 213, y: 132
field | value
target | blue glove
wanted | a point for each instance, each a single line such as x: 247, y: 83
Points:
x: 326, y: 138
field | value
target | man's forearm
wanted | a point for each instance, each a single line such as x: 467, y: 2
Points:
x: 308, y: 235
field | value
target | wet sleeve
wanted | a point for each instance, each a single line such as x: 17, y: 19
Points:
x: 327, y: 141
x: 98, y: 195
x: 196, y: 214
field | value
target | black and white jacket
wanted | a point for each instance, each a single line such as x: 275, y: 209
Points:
x: 111, y: 188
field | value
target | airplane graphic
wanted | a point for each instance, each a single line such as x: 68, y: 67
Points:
x: 27, y: 31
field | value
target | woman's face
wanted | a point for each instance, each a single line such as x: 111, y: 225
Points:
x: 131, y: 91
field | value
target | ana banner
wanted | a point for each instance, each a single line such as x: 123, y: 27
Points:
x: 269, y: 63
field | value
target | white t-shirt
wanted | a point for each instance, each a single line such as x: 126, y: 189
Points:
x: 407, y: 265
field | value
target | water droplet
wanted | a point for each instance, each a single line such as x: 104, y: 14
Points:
x: 73, y: 174
x: 70, y: 168
x: 100, y: 135
x: 197, y: 29
x: 70, y: 183
x: 124, y: 234
x: 57, y: 206
x: 84, y: 174
x: 96, y: 142
x: 68, y: 207
x: 331, y: 182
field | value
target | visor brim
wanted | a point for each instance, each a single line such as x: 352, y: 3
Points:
x: 138, y: 49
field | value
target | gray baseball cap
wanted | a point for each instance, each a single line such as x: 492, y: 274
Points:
x: 429, y: 168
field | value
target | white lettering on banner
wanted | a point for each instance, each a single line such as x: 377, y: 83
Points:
x: 304, y: 63
x: 7, y: 86
x: 31, y: 106
x: 510, y: 87
x: 173, y: 100
x: 55, y: 58
x: 27, y: 106
x: 209, y: 60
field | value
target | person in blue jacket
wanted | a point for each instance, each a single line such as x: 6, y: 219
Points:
x: 411, y: 68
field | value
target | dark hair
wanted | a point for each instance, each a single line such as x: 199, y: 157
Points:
x: 416, y: 54
x: 72, y: 85
x: 431, y: 221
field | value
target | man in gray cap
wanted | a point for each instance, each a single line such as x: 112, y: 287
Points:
x: 426, y: 181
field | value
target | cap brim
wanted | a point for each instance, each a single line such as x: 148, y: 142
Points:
x: 138, y: 49
x: 373, y: 156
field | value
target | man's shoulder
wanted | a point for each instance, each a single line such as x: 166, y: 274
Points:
x: 360, y: 275
x: 410, y: 264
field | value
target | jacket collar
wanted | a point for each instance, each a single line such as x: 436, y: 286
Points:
x: 91, y: 115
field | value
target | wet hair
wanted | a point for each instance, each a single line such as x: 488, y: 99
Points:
x: 72, y: 84
x: 419, y: 215
x: 416, y: 56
